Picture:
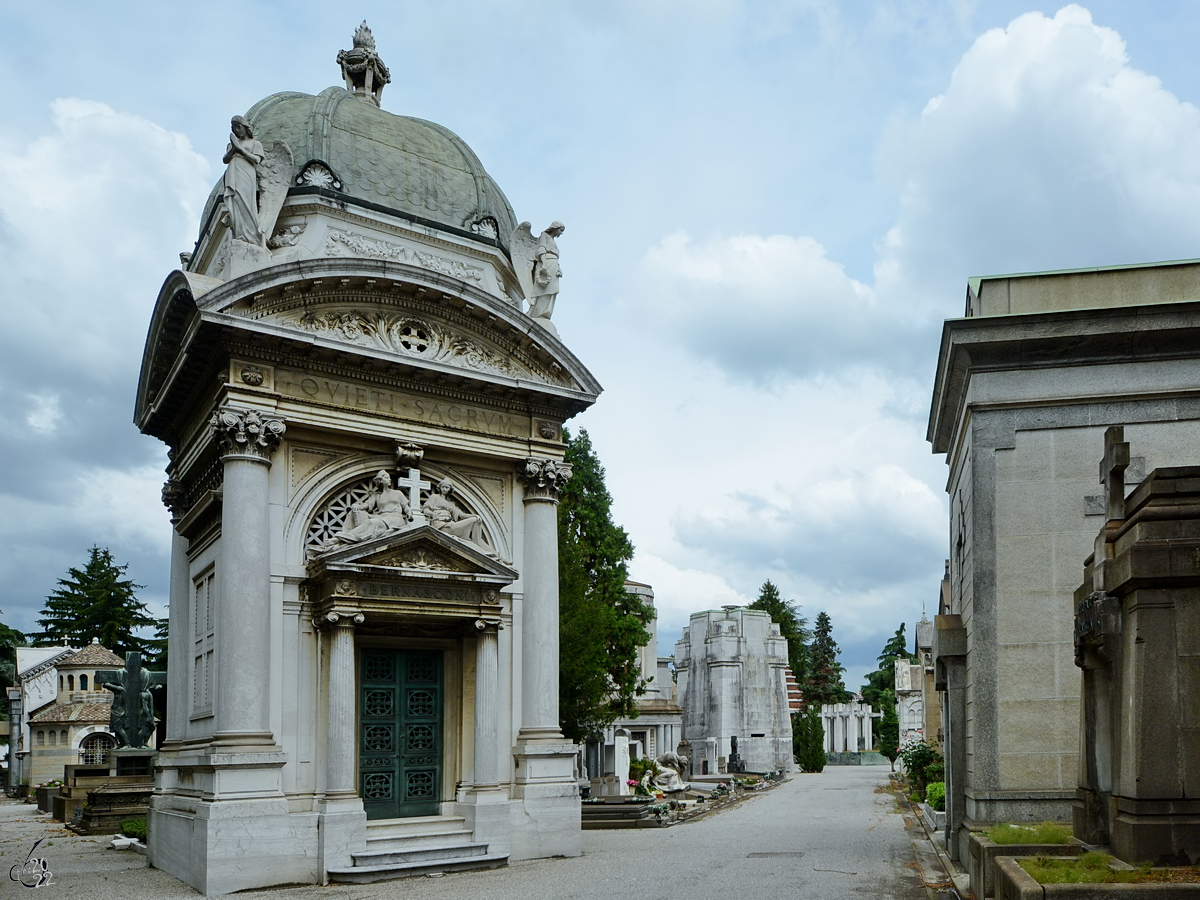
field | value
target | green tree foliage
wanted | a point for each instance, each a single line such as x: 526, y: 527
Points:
x: 808, y: 739
x: 824, y: 681
x: 10, y: 640
x: 602, y: 626
x: 96, y: 601
x: 883, y: 679
x: 792, y: 626
x: 888, y: 734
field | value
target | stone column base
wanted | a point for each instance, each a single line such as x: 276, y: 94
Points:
x: 342, y: 832
x: 219, y: 822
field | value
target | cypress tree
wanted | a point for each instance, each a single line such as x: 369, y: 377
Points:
x: 824, y: 682
x: 601, y: 625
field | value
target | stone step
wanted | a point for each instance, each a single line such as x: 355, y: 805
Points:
x: 385, y: 872
x: 380, y: 857
x: 412, y: 825
x: 417, y: 841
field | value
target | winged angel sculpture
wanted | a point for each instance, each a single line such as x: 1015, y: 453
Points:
x: 256, y: 183
x: 536, y: 262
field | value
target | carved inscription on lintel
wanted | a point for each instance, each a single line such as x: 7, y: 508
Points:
x: 370, y: 398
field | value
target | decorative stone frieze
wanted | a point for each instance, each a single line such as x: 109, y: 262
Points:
x: 247, y: 432
x: 543, y: 478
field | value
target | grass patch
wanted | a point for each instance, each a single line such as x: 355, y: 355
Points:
x: 1043, y: 833
x: 1093, y: 868
x: 134, y: 828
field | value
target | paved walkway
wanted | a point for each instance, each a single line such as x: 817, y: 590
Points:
x: 833, y: 835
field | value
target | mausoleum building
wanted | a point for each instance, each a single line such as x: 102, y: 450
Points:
x: 363, y: 396
x: 732, y: 682
x: 1027, y: 382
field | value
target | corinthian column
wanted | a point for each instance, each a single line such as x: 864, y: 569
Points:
x: 339, y: 773
x: 247, y: 438
x: 542, y: 480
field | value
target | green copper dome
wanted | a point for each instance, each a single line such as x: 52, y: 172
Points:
x: 405, y: 166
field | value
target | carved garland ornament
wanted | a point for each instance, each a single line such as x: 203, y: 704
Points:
x: 343, y: 243
x: 544, y: 478
x: 417, y: 337
x: 247, y: 431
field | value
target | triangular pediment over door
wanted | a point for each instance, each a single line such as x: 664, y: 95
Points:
x: 418, y: 574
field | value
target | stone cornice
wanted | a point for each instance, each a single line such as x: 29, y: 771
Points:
x: 1031, y: 341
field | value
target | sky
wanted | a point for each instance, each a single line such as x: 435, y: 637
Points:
x: 771, y: 207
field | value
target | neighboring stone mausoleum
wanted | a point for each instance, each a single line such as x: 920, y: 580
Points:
x: 732, y: 682
x: 363, y: 396
x: 1027, y: 382
x: 1137, y: 639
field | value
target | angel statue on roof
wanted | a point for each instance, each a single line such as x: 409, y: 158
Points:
x: 256, y: 183
x: 536, y: 262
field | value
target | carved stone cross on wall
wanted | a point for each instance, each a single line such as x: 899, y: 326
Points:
x: 1112, y: 471
x: 409, y: 456
x: 132, y: 715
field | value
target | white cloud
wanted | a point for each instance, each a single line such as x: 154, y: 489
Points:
x: 90, y: 215
x: 1047, y: 150
x: 45, y: 412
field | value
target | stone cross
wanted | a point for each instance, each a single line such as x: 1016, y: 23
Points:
x: 1112, y: 471
x: 409, y: 456
x: 132, y: 715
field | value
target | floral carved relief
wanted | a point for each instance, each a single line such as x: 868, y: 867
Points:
x: 343, y: 243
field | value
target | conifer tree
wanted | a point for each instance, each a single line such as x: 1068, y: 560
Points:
x: 808, y: 738
x: 888, y: 733
x: 824, y: 682
x: 883, y: 679
x: 602, y: 626
x: 96, y: 601
x: 792, y: 626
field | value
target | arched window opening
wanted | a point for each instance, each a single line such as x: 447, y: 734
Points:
x: 63, y: 737
x: 41, y: 739
x: 94, y: 749
x: 83, y: 682
x: 53, y: 738
x: 70, y: 682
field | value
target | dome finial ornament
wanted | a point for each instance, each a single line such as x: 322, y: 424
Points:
x: 363, y: 70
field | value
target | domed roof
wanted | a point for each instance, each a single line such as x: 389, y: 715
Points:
x: 400, y: 164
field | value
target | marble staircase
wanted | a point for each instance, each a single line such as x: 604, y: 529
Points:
x: 421, y: 845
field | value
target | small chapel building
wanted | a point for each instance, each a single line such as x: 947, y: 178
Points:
x: 363, y: 395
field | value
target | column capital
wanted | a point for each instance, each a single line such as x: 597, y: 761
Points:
x: 247, y: 432
x: 543, y: 479
x: 339, y: 618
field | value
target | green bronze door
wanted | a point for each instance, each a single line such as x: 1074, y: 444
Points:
x: 400, y: 733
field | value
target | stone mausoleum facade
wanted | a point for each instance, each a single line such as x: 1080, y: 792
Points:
x: 732, y: 681
x: 363, y: 396
x: 1027, y: 383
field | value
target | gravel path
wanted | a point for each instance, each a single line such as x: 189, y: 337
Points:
x: 837, y: 834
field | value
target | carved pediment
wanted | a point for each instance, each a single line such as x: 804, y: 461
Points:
x: 418, y: 551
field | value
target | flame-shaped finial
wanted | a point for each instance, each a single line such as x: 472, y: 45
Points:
x: 363, y: 37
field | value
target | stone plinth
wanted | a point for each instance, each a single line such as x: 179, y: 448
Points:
x: 1137, y: 638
